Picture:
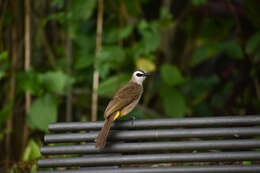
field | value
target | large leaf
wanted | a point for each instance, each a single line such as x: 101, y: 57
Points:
x: 253, y: 44
x: 150, y: 39
x: 109, y: 86
x: 43, y: 112
x: 56, y: 81
x: 203, y: 53
x: 110, y: 57
x: 150, y: 36
x: 29, y: 81
x: 171, y: 74
x: 231, y: 48
x: 32, y: 151
x: 3, y: 55
x: 173, y: 102
x: 116, y: 34
x: 82, y: 9
x: 133, y: 7
x: 83, y: 61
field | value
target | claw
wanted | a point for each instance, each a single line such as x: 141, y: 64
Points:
x: 133, y: 119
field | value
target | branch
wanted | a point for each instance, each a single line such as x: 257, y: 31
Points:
x: 68, y: 54
x: 94, y: 106
x: 27, y: 62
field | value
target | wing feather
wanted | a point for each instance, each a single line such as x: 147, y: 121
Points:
x: 123, y: 97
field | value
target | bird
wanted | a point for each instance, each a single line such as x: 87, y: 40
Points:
x: 123, y: 102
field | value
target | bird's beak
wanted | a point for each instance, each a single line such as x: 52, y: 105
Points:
x: 147, y: 74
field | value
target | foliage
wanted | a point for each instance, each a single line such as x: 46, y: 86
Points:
x: 42, y: 113
x: 171, y: 74
x: 203, y: 54
x: 173, y: 101
x: 252, y: 46
x: 32, y: 151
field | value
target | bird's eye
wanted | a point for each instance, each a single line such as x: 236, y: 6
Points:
x: 139, y: 74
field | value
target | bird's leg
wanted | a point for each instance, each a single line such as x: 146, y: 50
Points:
x: 133, y: 119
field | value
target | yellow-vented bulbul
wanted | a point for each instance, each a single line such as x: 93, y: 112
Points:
x: 124, y: 101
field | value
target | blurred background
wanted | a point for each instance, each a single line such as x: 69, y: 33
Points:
x: 204, y: 56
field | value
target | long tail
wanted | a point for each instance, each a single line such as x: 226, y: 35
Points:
x: 102, y: 136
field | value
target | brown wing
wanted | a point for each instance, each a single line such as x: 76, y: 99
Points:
x: 123, y: 97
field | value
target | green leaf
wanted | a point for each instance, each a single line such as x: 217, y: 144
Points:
x: 58, y: 16
x: 3, y: 55
x: 231, y: 48
x: 32, y: 151
x: 203, y: 53
x: 247, y: 162
x: 58, y: 3
x: 2, y: 74
x: 171, y: 75
x: 116, y: 34
x: 150, y: 38
x: 151, y: 41
x: 43, y: 112
x: 4, y: 112
x: 173, y: 102
x: 109, y: 86
x: 84, y: 61
x: 133, y: 7
x: 166, y: 20
x: 82, y: 9
x: 142, y: 25
x: 56, y: 81
x: 29, y: 81
x: 110, y: 57
x: 198, y: 2
x: 253, y: 44
x: 2, y: 135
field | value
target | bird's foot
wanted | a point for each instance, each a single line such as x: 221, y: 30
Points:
x: 133, y: 119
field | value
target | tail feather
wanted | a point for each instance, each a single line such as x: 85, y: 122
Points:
x: 102, y: 136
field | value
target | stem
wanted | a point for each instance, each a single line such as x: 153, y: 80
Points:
x: 69, y: 95
x: 94, y: 106
x: 27, y: 62
x: 69, y: 62
x: 11, y: 92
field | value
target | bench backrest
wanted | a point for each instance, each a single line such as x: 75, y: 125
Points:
x: 218, y: 144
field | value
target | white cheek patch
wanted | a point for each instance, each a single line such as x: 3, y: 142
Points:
x: 139, y: 80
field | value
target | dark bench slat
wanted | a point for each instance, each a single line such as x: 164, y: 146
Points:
x: 156, y: 134
x: 153, y: 146
x: 149, y: 158
x: 157, y: 137
x: 160, y: 123
x: 176, y: 169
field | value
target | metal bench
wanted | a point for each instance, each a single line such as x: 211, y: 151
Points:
x: 187, y: 145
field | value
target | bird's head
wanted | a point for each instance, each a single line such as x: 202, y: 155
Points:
x: 139, y: 76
